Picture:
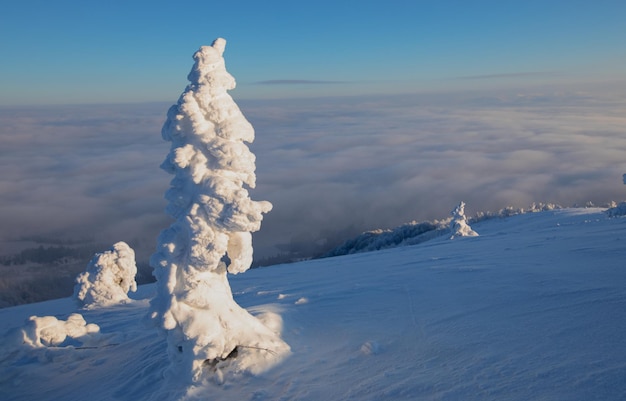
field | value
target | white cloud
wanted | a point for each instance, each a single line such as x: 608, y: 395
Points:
x: 368, y: 162
x: 329, y: 166
x: 67, y: 170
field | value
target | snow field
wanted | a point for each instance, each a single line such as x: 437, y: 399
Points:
x: 533, y: 308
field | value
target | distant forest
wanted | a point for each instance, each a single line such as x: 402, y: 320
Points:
x: 48, y: 255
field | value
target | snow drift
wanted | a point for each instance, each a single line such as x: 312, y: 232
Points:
x: 48, y: 331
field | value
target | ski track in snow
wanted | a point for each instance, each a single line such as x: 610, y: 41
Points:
x: 532, y: 309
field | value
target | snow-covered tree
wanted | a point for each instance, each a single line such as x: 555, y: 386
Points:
x: 108, y: 278
x: 207, y: 330
x: 458, y: 224
x: 620, y: 209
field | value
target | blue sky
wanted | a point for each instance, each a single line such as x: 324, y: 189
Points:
x: 71, y: 51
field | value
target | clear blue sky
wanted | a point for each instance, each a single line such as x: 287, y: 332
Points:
x: 75, y: 51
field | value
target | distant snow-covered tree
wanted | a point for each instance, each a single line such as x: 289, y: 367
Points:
x: 108, y: 278
x: 458, y: 224
x: 212, y: 166
x: 620, y: 209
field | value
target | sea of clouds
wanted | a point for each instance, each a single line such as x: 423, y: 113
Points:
x: 332, y: 167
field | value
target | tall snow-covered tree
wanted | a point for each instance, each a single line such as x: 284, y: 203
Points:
x: 208, y: 332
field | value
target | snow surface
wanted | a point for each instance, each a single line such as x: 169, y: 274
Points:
x: 532, y: 309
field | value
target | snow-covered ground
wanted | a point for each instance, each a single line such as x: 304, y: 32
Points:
x: 534, y: 308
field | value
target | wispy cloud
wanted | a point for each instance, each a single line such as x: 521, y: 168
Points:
x: 298, y: 82
x: 531, y: 74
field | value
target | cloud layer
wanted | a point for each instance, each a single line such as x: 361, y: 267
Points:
x: 345, y: 165
x: 297, y: 82
x: 82, y: 172
x: 332, y: 167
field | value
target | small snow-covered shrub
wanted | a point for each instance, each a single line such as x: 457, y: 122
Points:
x: 616, y: 211
x: 511, y: 211
x: 109, y: 277
x: 458, y: 224
x: 48, y: 331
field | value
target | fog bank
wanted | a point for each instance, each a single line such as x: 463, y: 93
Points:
x: 332, y: 167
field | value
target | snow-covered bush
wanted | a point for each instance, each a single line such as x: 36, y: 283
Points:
x: 212, y: 166
x: 458, y: 224
x: 48, y: 331
x: 109, y: 277
x: 414, y: 233
x: 511, y: 211
x: 618, y: 210
x: 407, y: 234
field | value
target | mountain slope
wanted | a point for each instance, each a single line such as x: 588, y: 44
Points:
x: 533, y: 308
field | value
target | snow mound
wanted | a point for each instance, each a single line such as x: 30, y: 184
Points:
x: 48, y: 331
x: 108, y: 279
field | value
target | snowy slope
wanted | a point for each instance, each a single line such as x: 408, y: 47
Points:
x: 532, y: 309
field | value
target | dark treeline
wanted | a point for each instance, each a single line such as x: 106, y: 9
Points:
x: 47, y: 255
